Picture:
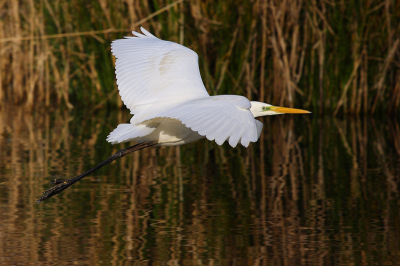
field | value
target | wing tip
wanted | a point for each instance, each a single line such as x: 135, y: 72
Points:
x: 137, y: 34
x: 245, y: 142
x: 146, y: 34
x: 233, y: 142
x: 233, y: 145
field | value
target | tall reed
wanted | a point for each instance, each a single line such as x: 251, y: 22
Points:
x: 322, y: 55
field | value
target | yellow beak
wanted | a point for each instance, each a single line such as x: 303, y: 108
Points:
x: 284, y: 110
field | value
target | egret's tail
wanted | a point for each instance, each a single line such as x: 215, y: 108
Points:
x: 128, y: 132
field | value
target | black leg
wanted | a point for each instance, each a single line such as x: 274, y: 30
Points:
x: 61, y: 184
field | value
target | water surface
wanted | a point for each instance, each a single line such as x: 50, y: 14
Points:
x: 311, y: 191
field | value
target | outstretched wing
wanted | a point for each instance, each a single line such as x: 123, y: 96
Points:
x: 218, y: 118
x: 152, y: 71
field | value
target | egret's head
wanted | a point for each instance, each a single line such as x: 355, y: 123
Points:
x: 261, y: 109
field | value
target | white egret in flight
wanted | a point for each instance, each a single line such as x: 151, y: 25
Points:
x: 160, y: 83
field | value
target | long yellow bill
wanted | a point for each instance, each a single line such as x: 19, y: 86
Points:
x: 285, y: 110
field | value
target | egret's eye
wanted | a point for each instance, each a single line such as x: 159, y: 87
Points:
x: 265, y: 108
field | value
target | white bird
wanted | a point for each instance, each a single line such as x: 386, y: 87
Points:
x: 160, y: 83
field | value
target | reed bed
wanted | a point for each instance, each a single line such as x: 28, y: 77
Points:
x: 335, y: 56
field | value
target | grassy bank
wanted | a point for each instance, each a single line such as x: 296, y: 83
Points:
x: 342, y: 57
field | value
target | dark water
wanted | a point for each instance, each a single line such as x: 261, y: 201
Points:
x: 313, y: 191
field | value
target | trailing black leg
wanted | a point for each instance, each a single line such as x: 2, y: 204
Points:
x: 61, y: 184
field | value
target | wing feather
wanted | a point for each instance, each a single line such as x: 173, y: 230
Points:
x: 236, y: 136
x: 151, y: 71
x: 213, y: 129
x: 127, y: 132
x: 259, y: 128
x: 217, y: 118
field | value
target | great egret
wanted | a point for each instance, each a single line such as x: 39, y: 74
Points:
x: 159, y: 81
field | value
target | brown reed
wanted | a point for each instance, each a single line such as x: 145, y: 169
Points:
x: 322, y: 55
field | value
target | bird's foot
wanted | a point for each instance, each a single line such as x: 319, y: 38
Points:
x: 60, y: 185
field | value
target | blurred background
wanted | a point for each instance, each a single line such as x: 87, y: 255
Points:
x: 338, y: 56
x: 320, y: 189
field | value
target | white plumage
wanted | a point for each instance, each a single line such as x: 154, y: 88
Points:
x: 152, y: 72
x: 160, y: 82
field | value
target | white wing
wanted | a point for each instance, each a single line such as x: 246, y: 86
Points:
x: 259, y: 128
x: 127, y: 132
x: 218, y: 118
x: 152, y: 71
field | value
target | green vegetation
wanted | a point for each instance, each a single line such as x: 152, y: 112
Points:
x: 337, y: 56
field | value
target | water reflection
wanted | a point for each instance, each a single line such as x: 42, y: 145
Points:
x: 310, y: 192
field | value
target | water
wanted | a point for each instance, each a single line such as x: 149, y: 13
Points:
x: 312, y: 191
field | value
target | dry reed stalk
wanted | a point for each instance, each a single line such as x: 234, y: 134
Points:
x: 94, y: 75
x: 248, y: 67
x: 321, y: 53
x: 181, y: 23
x: 53, y: 16
x: 353, y: 99
x: 17, y: 68
x: 358, y: 56
x: 299, y: 70
x: 317, y: 17
x: 31, y: 81
x: 395, y: 101
x: 131, y: 10
x: 279, y: 45
x: 395, y: 135
x: 106, y: 12
x: 342, y: 99
x: 264, y: 33
x: 93, y: 32
x: 250, y: 47
x: 363, y: 97
x: 227, y: 56
x: 286, y: 33
x: 253, y: 63
x: 284, y: 26
x: 62, y: 35
x: 2, y: 82
x: 379, y: 84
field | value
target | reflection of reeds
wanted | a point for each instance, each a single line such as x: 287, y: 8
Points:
x: 303, y: 201
x: 341, y: 56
